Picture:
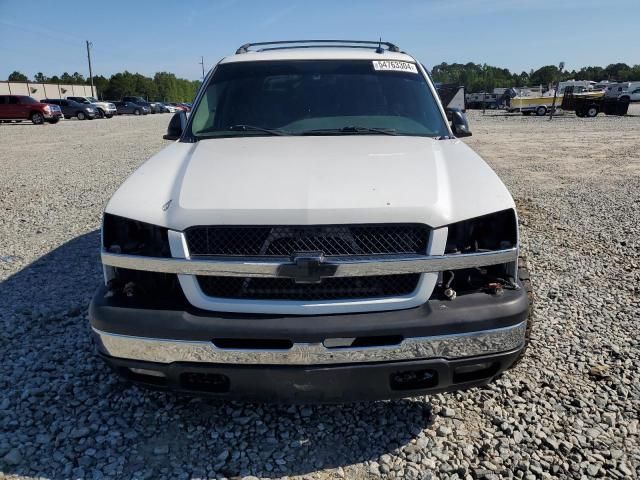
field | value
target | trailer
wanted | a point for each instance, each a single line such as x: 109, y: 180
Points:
x: 589, y: 105
x: 452, y: 95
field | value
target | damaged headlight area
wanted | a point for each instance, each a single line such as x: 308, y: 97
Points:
x: 493, y: 232
x: 130, y: 237
x: 122, y: 235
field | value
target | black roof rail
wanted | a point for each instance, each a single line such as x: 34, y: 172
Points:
x: 334, y: 43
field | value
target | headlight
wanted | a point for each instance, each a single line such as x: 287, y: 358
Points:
x: 47, y: 108
x: 89, y: 109
x: 121, y: 235
x: 496, y: 231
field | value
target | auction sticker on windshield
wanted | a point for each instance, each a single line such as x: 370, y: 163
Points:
x: 395, y: 66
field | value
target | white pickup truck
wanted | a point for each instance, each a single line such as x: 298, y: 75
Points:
x: 104, y: 109
x: 316, y: 232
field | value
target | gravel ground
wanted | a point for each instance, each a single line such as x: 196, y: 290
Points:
x: 568, y: 410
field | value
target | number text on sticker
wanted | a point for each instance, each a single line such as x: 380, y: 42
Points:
x: 396, y: 66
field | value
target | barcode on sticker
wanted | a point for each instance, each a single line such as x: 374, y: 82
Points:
x: 395, y: 66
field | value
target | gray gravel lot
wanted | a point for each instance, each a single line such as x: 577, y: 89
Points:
x: 568, y: 410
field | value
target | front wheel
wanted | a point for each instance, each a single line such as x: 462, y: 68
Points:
x: 81, y: 116
x: 108, y: 115
x: 541, y: 111
x: 100, y: 113
x: 592, y: 111
x: 37, y: 118
x: 136, y: 112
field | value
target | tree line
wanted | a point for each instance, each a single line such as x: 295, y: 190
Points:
x: 164, y: 86
x: 476, y: 77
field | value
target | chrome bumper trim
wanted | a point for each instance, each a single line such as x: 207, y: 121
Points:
x: 344, y: 267
x: 445, y: 346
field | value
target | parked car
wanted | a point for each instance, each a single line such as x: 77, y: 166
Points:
x: 131, y: 108
x: 178, y: 106
x: 103, y: 109
x: 71, y: 108
x: 152, y: 106
x: 166, y: 108
x: 631, y: 95
x: 22, y: 107
x: 380, y: 261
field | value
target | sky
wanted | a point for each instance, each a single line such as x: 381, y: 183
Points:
x: 148, y: 36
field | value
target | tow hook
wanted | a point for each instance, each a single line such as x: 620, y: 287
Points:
x: 449, y: 292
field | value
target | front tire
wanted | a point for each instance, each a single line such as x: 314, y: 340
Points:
x: 136, y: 111
x: 108, y: 116
x: 541, y: 111
x: 81, y: 116
x: 592, y: 111
x: 37, y: 118
x: 100, y: 113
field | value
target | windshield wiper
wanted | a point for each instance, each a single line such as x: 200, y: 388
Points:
x: 252, y: 128
x: 350, y: 129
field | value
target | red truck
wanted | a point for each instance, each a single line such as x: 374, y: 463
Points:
x: 22, y: 107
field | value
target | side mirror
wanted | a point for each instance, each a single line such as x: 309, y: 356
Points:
x: 176, y: 126
x: 459, y: 123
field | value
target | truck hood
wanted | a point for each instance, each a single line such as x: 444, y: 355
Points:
x: 311, y: 180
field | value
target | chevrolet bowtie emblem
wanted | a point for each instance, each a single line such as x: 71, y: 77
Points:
x: 307, y: 267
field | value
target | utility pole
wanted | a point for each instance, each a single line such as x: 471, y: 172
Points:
x: 202, y: 63
x: 555, y: 92
x: 89, y: 45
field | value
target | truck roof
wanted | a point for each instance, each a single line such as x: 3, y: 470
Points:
x: 318, y: 50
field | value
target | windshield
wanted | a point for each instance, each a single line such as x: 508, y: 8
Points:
x: 335, y: 97
x: 29, y: 100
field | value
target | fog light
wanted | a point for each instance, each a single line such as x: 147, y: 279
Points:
x: 475, y: 371
x: 413, y: 379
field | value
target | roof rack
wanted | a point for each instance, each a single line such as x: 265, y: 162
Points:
x: 312, y: 43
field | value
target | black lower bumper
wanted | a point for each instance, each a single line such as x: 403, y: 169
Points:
x: 316, y: 384
x: 312, y: 381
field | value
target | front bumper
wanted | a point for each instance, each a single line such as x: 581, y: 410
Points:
x: 340, y: 383
x: 452, y: 345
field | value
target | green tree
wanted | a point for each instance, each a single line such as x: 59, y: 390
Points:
x: 40, y: 77
x: 78, y: 78
x: 618, y: 71
x: 545, y: 75
x: 66, y: 78
x: 101, y: 83
x: 16, y: 76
